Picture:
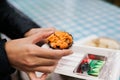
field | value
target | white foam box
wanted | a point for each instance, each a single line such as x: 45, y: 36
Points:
x: 110, y: 70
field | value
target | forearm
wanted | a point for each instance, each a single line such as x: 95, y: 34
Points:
x: 14, y: 23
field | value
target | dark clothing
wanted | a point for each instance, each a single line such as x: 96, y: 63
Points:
x: 14, y: 24
x: 5, y: 68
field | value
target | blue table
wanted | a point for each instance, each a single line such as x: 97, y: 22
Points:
x: 81, y: 18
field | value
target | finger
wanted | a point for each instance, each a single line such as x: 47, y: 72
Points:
x: 44, y: 76
x: 45, y: 69
x: 42, y: 62
x: 50, y: 53
x: 46, y: 29
x: 36, y: 30
x: 32, y: 75
x: 39, y: 36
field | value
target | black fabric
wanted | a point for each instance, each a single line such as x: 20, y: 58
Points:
x: 6, y: 78
x: 14, y: 23
x: 5, y: 68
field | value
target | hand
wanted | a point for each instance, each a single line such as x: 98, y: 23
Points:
x: 40, y: 30
x: 25, y: 55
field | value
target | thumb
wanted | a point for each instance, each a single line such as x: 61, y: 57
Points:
x: 44, y: 76
x: 39, y: 36
x: 33, y: 76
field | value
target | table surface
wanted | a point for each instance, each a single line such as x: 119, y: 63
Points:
x: 81, y: 18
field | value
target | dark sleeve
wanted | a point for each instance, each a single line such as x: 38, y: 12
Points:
x: 5, y: 67
x: 14, y: 23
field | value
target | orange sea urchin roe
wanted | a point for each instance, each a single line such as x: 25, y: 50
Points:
x: 60, y: 40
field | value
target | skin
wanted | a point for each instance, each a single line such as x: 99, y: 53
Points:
x: 23, y: 54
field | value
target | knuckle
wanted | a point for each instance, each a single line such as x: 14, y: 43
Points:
x: 29, y: 49
x: 54, y: 56
x: 29, y: 63
x: 57, y: 55
x: 54, y: 62
x: 50, y: 70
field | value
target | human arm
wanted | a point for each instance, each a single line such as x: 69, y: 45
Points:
x: 13, y: 28
x: 14, y: 23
